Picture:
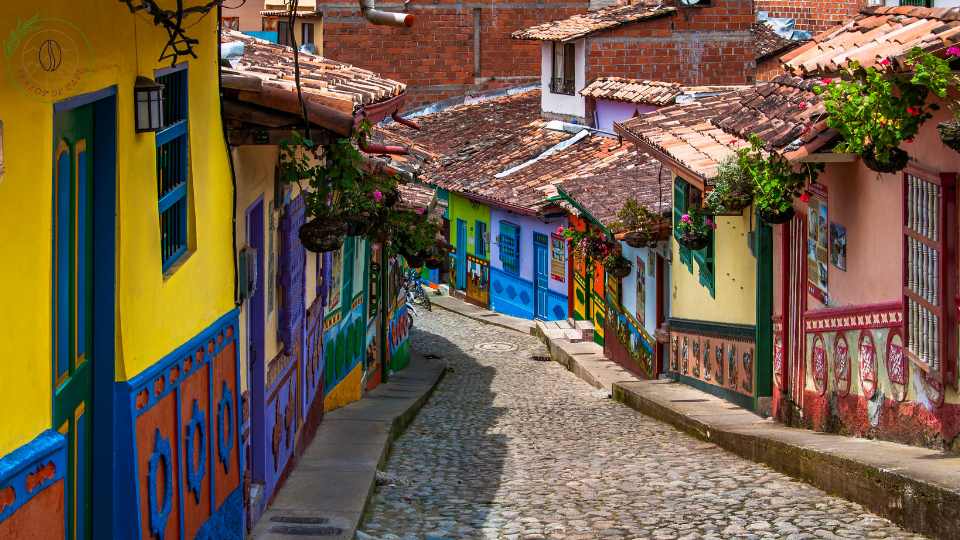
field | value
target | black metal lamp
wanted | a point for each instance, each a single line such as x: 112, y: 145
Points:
x: 148, y: 97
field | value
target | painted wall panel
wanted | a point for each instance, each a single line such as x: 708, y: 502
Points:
x: 736, y: 297
x: 648, y: 290
x: 608, y: 111
x: 32, y: 488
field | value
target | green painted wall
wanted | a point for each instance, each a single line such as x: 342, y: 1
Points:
x: 462, y: 208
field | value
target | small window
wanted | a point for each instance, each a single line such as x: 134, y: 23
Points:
x: 283, y: 33
x: 920, y: 3
x: 306, y: 32
x: 480, y: 242
x: 563, y: 75
x: 173, y: 167
x: 510, y: 247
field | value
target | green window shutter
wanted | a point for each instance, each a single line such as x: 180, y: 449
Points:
x: 706, y: 265
x: 680, y: 208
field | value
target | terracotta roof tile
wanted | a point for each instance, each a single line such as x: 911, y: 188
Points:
x: 334, y: 84
x: 769, y: 43
x: 633, y: 90
x: 466, y: 149
x: 583, y: 24
x: 784, y: 113
x: 876, y: 33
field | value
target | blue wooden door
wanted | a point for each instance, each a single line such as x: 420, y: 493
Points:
x: 461, y: 254
x: 73, y: 307
x: 541, y: 283
x: 255, y: 350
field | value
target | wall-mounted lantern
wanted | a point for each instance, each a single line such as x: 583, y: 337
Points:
x: 148, y: 97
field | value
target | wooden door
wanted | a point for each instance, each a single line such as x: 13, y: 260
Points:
x: 796, y: 306
x: 256, y: 347
x: 73, y: 306
x: 541, y: 279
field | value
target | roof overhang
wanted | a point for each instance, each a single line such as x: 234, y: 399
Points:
x: 676, y: 166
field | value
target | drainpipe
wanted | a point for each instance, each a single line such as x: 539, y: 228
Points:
x: 374, y: 148
x: 404, y: 121
x: 375, y: 16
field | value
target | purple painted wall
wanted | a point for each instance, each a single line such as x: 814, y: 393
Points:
x: 528, y: 226
x: 607, y: 112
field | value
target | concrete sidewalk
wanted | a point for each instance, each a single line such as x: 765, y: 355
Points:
x: 917, y: 488
x: 327, y: 491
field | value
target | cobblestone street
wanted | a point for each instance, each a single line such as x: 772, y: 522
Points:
x: 512, y: 447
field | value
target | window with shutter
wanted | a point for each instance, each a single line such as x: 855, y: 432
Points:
x: 680, y: 208
x: 480, y: 242
x: 510, y: 247
x: 929, y: 273
x: 686, y: 197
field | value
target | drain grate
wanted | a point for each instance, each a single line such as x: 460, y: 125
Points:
x: 306, y: 530
x: 301, y: 520
x: 496, y: 346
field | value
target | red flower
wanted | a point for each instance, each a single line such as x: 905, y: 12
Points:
x: 802, y: 105
x: 828, y: 80
x: 885, y: 62
x: 914, y: 111
x: 805, y: 197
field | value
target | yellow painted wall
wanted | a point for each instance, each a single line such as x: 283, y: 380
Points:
x: 736, y: 279
x: 155, y: 313
x: 347, y: 391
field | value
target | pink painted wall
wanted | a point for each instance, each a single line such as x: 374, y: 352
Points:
x: 608, y: 112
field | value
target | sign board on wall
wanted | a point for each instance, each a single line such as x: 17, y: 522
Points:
x: 558, y: 261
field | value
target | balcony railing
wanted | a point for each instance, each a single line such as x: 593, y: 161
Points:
x: 562, y: 86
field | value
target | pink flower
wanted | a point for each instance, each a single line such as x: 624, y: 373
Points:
x: 954, y: 51
x: 710, y: 223
x: 421, y: 210
x: 802, y: 105
x: 685, y: 218
x: 559, y: 230
x: 377, y: 195
x: 805, y: 197
x: 885, y: 62
x: 828, y: 80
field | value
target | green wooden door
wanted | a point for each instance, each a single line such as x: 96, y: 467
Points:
x: 72, y: 306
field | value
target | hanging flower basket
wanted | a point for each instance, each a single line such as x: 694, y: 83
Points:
x: 736, y: 201
x: 895, y: 161
x: 950, y: 134
x: 775, y: 217
x: 648, y: 237
x: 323, y: 234
x: 693, y: 239
x: 617, y: 265
x: 596, y: 247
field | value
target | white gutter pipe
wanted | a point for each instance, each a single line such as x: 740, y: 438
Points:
x: 375, y: 16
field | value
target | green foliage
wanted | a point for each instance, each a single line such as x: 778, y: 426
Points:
x: 410, y: 233
x: 636, y: 217
x: 874, y: 111
x: 775, y: 182
x: 696, y: 222
x: 733, y: 188
x: 931, y: 72
x: 336, y: 184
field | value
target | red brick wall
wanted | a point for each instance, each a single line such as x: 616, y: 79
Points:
x: 811, y: 15
x: 696, y: 46
x: 436, y: 56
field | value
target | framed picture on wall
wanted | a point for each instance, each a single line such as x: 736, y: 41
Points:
x: 838, y: 246
x: 641, y: 291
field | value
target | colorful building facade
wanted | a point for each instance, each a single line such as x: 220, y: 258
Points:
x: 528, y: 266
x: 470, y: 238
x: 125, y: 381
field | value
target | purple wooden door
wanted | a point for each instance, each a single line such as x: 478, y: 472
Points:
x: 255, y: 346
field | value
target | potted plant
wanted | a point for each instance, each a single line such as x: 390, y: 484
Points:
x: 874, y: 109
x: 732, y: 188
x: 641, y: 226
x: 617, y: 265
x: 320, y: 235
x: 776, y: 183
x: 936, y: 74
x: 693, y: 230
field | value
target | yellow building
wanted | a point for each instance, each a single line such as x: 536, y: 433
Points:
x: 119, y: 338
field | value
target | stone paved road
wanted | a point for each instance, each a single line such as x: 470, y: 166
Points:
x: 509, y: 447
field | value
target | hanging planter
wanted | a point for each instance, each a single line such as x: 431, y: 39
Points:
x: 694, y: 240
x: 657, y: 232
x: 733, y: 188
x: 694, y: 228
x: 894, y: 160
x: 641, y: 226
x: 322, y: 235
x: 617, y: 265
x: 775, y: 217
x: 950, y: 134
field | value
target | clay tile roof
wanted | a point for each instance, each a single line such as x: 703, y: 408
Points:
x: 584, y: 24
x: 633, y: 90
x: 876, y: 33
x: 769, y: 43
x: 784, y: 113
x: 467, y: 148
x: 416, y: 196
x: 334, y: 84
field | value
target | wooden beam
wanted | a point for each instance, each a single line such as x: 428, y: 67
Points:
x: 828, y: 157
x: 255, y: 136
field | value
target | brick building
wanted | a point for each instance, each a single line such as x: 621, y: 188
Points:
x: 710, y: 45
x: 812, y: 15
x: 453, y: 48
